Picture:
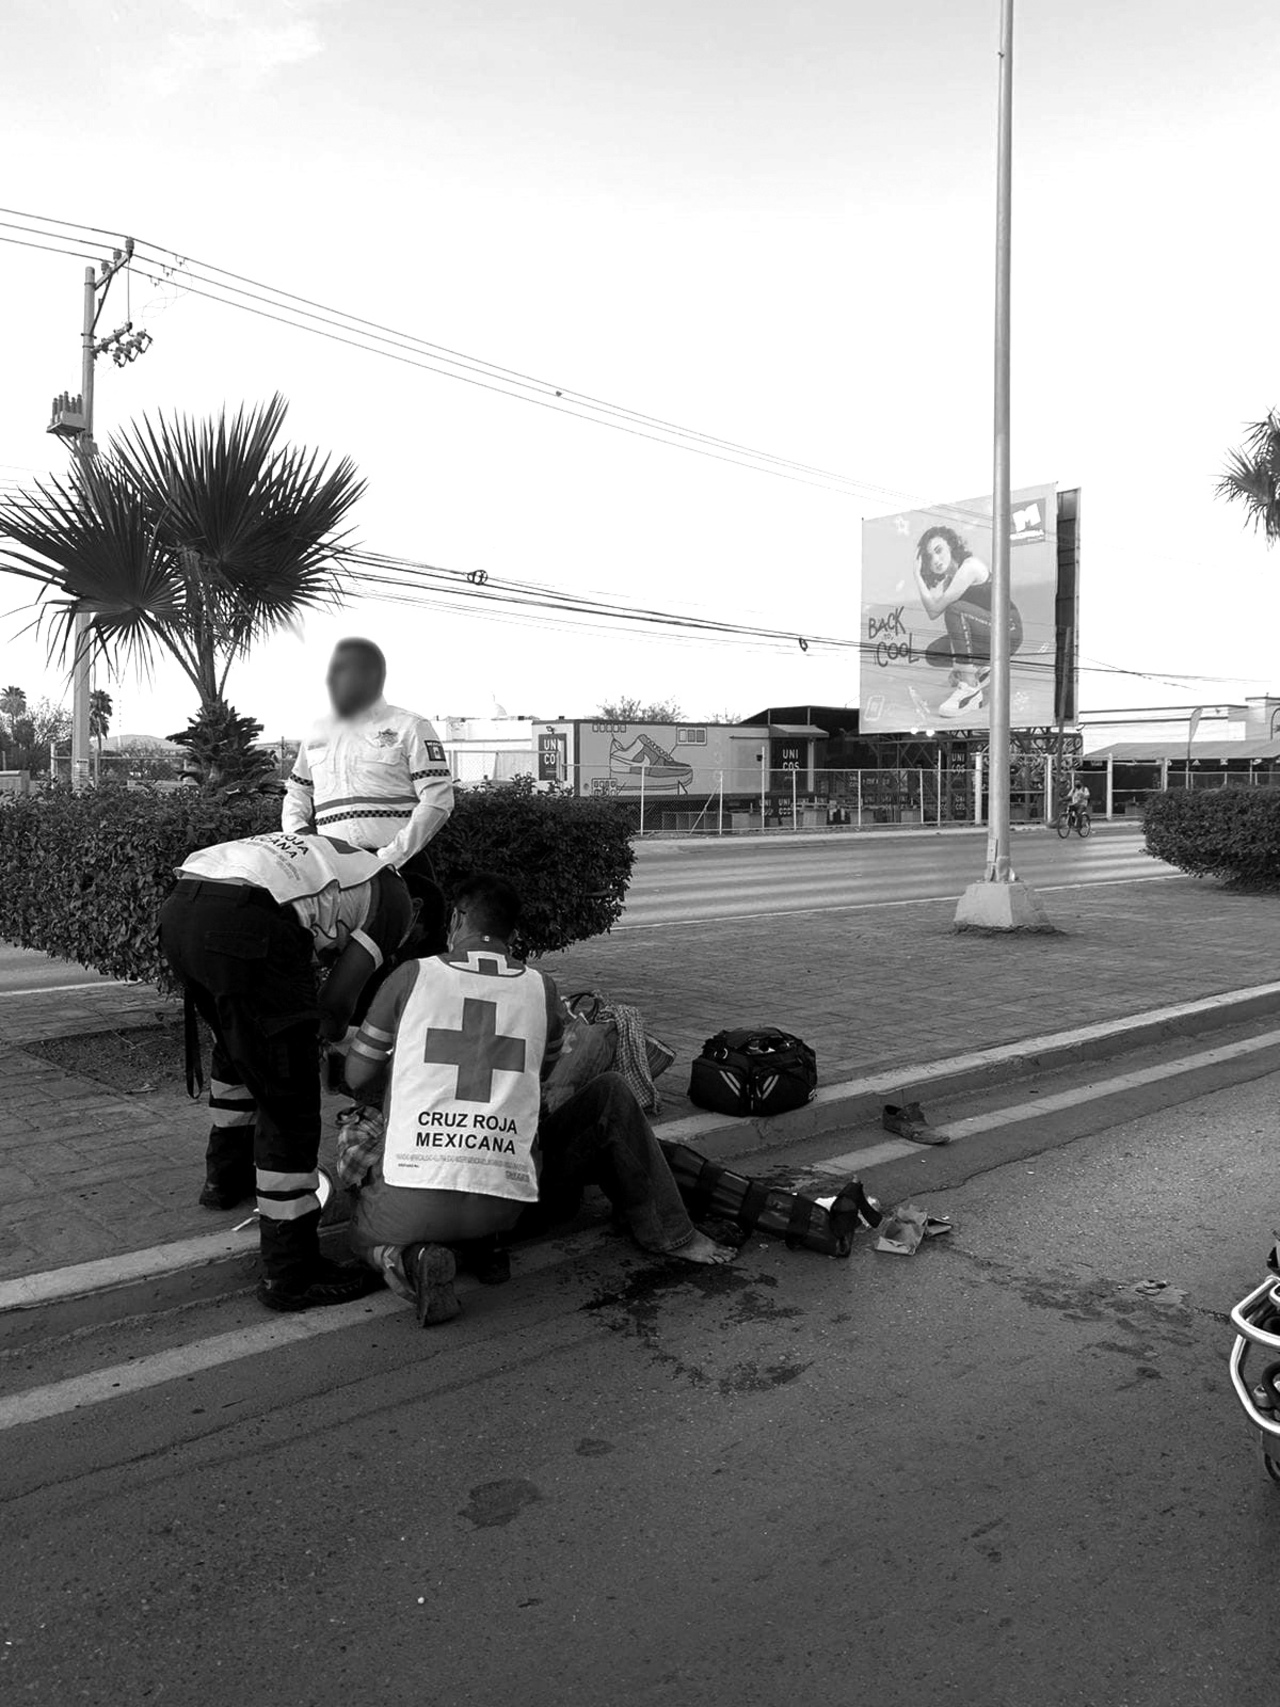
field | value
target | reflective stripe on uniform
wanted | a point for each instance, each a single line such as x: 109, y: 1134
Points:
x: 359, y: 1047
x: 231, y: 1105
x: 349, y: 801
x: 375, y: 1033
x: 270, y: 1180
x: 288, y: 1208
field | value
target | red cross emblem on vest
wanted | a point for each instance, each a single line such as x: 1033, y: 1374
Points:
x: 478, y: 1051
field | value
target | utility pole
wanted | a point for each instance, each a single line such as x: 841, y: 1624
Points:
x: 73, y: 420
x: 1002, y: 901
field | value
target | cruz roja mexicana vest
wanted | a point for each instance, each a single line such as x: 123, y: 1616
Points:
x: 462, y: 1110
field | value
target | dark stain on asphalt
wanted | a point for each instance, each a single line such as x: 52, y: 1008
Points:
x: 593, y: 1448
x: 635, y: 1307
x: 750, y: 1378
x: 493, y: 1504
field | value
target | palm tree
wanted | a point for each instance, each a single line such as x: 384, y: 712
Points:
x: 100, y: 709
x: 13, y: 704
x: 1252, y: 477
x: 198, y: 539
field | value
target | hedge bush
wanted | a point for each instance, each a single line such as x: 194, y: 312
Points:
x: 1229, y: 833
x: 82, y: 876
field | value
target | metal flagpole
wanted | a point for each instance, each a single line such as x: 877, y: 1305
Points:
x: 998, y: 832
x: 1001, y: 902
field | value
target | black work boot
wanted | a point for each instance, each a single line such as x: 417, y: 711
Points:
x: 327, y: 1283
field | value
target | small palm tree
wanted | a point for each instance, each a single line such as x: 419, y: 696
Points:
x: 196, y: 539
x: 100, y: 709
x: 1252, y: 477
x: 13, y: 704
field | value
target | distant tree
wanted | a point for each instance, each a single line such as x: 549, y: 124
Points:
x: 725, y: 717
x: 636, y: 711
x: 13, y: 704
x: 50, y: 723
x: 100, y: 709
x: 1252, y: 477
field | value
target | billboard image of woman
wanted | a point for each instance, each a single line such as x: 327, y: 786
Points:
x: 955, y: 585
x: 927, y: 615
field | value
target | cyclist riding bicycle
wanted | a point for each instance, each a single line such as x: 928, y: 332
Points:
x: 1078, y: 804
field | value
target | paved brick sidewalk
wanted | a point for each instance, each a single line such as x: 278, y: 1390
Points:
x: 85, y: 1172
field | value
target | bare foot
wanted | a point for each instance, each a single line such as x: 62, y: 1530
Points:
x: 701, y: 1249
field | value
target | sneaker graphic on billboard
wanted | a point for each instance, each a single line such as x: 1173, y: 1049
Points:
x: 967, y: 697
x: 662, y: 772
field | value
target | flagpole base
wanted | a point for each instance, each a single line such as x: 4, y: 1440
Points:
x: 993, y: 906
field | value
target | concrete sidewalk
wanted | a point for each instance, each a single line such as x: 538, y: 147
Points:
x: 86, y: 1172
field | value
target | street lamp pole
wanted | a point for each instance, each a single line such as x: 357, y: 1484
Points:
x: 1002, y: 901
x: 73, y: 420
x: 998, y: 829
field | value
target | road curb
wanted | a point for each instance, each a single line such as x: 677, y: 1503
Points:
x: 190, y: 1272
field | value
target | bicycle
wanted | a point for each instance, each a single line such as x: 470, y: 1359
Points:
x: 1074, y: 817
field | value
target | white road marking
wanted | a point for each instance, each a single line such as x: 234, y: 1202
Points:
x: 921, y: 1076
x: 956, y: 1130
x: 764, y: 911
x: 107, y: 1273
x: 65, y: 989
x: 38, y: 1404
x: 79, y: 1392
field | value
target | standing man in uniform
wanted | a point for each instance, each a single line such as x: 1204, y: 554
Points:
x: 244, y: 931
x: 375, y: 775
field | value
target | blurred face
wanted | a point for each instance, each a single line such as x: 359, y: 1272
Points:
x: 938, y: 556
x: 354, y: 681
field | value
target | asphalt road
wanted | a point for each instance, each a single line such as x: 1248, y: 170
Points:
x: 1003, y: 1472
x: 694, y: 881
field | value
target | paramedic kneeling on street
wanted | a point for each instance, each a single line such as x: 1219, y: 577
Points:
x: 470, y: 1036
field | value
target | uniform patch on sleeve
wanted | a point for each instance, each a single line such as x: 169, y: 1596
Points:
x: 435, y: 752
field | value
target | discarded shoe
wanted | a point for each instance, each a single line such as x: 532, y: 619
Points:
x: 907, y: 1120
x: 434, y: 1271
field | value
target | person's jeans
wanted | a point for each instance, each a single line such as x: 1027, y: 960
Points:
x: 968, y: 637
x: 601, y: 1137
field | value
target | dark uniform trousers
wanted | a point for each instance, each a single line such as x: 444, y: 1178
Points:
x: 247, y: 965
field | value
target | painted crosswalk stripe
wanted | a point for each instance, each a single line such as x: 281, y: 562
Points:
x: 766, y: 911
x: 894, y: 1148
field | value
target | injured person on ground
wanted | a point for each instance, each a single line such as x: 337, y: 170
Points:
x: 452, y: 1147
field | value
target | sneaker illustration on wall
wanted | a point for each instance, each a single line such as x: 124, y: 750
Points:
x: 663, y: 773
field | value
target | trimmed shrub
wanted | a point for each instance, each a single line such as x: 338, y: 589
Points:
x: 1229, y: 833
x: 82, y: 876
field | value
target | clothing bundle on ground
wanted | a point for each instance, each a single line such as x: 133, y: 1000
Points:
x: 606, y: 1037
x: 760, y: 1071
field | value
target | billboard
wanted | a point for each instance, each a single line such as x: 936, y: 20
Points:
x: 926, y: 616
x: 661, y: 761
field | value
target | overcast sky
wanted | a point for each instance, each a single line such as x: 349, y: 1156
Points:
x: 770, y: 221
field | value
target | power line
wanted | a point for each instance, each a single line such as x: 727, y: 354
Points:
x: 297, y: 310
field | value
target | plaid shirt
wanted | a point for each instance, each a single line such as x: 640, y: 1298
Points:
x: 361, y: 1132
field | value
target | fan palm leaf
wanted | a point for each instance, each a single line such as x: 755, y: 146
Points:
x: 198, y: 537
x: 1252, y: 477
